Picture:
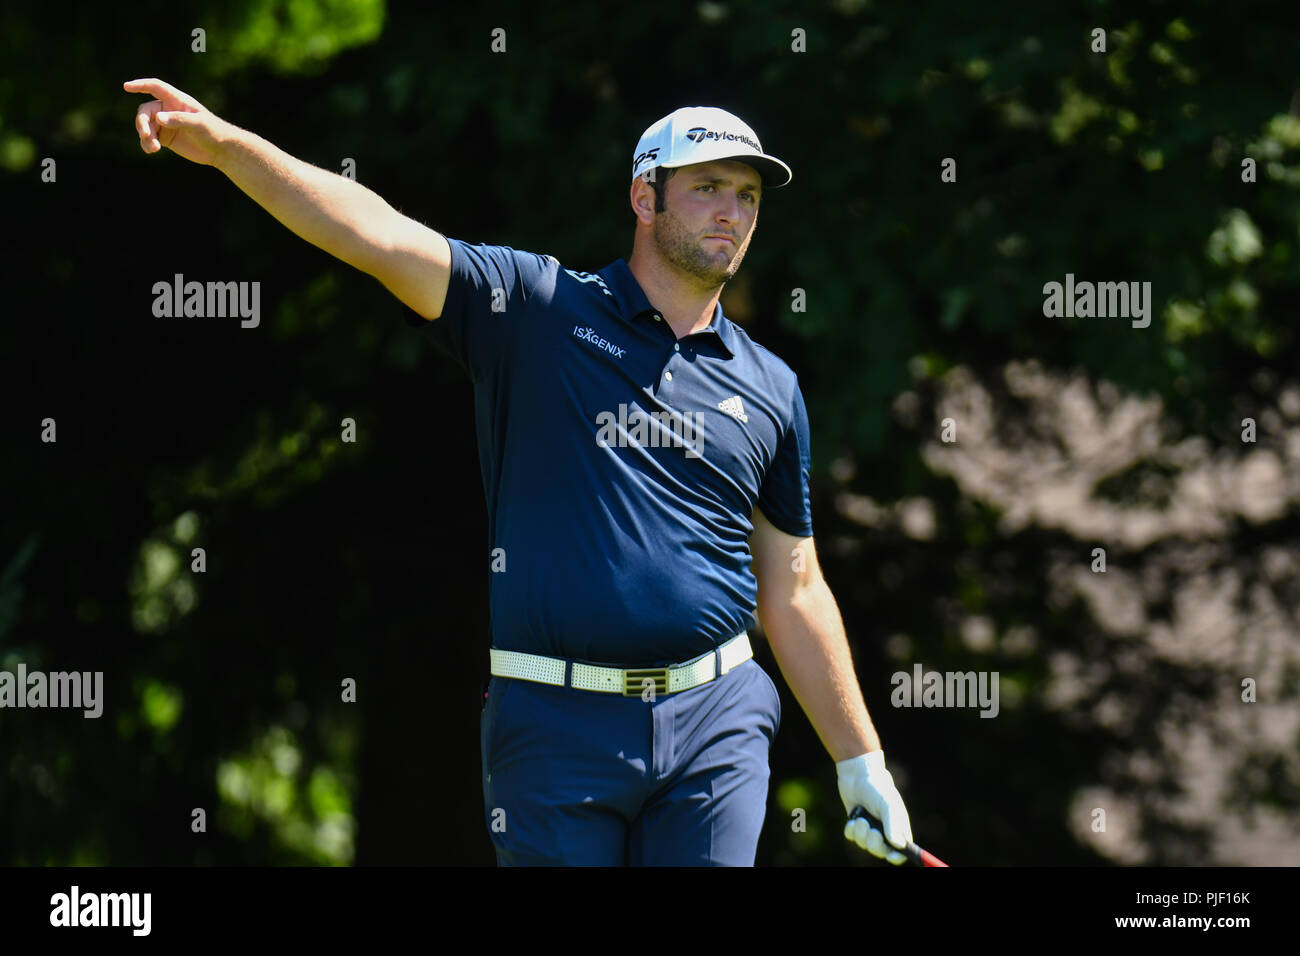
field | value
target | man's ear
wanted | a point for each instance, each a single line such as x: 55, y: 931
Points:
x: 642, y: 197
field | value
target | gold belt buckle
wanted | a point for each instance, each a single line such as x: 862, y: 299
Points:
x: 634, y: 682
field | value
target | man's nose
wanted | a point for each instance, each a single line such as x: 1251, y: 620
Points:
x: 730, y: 210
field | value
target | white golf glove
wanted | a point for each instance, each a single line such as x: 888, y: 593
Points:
x: 864, y: 782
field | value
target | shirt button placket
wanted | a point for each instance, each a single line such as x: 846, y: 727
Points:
x: 665, y: 386
x: 665, y: 393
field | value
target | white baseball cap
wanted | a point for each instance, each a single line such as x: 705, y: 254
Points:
x: 701, y: 134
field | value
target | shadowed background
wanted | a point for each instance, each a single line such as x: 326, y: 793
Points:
x: 899, y: 299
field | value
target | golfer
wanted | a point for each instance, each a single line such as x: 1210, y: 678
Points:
x: 646, y: 472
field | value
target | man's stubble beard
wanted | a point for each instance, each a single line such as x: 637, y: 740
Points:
x: 682, y: 250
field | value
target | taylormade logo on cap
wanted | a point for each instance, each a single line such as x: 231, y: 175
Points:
x: 702, y: 134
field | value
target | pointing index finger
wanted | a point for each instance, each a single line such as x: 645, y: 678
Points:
x: 155, y: 87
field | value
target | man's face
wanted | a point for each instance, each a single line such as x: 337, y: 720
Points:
x: 704, y: 200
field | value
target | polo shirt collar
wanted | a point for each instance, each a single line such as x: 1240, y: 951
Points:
x: 634, y: 306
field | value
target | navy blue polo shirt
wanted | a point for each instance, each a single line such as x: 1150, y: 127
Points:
x: 621, y: 465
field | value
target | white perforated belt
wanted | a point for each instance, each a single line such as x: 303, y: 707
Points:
x: 615, y: 680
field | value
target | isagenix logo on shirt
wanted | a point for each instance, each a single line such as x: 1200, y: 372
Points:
x: 594, y: 337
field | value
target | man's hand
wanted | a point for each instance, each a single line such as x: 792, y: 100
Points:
x: 864, y: 782
x: 178, y: 121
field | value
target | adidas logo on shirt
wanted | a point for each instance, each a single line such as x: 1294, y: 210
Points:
x: 734, y: 408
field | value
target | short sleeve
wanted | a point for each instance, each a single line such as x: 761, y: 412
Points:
x: 489, y: 292
x: 784, y: 497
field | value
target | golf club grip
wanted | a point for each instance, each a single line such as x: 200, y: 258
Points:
x: 914, y: 853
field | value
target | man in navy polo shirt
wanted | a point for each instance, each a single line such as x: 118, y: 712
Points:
x: 646, y: 471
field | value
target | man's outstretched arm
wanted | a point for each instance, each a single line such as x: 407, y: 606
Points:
x: 334, y: 213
